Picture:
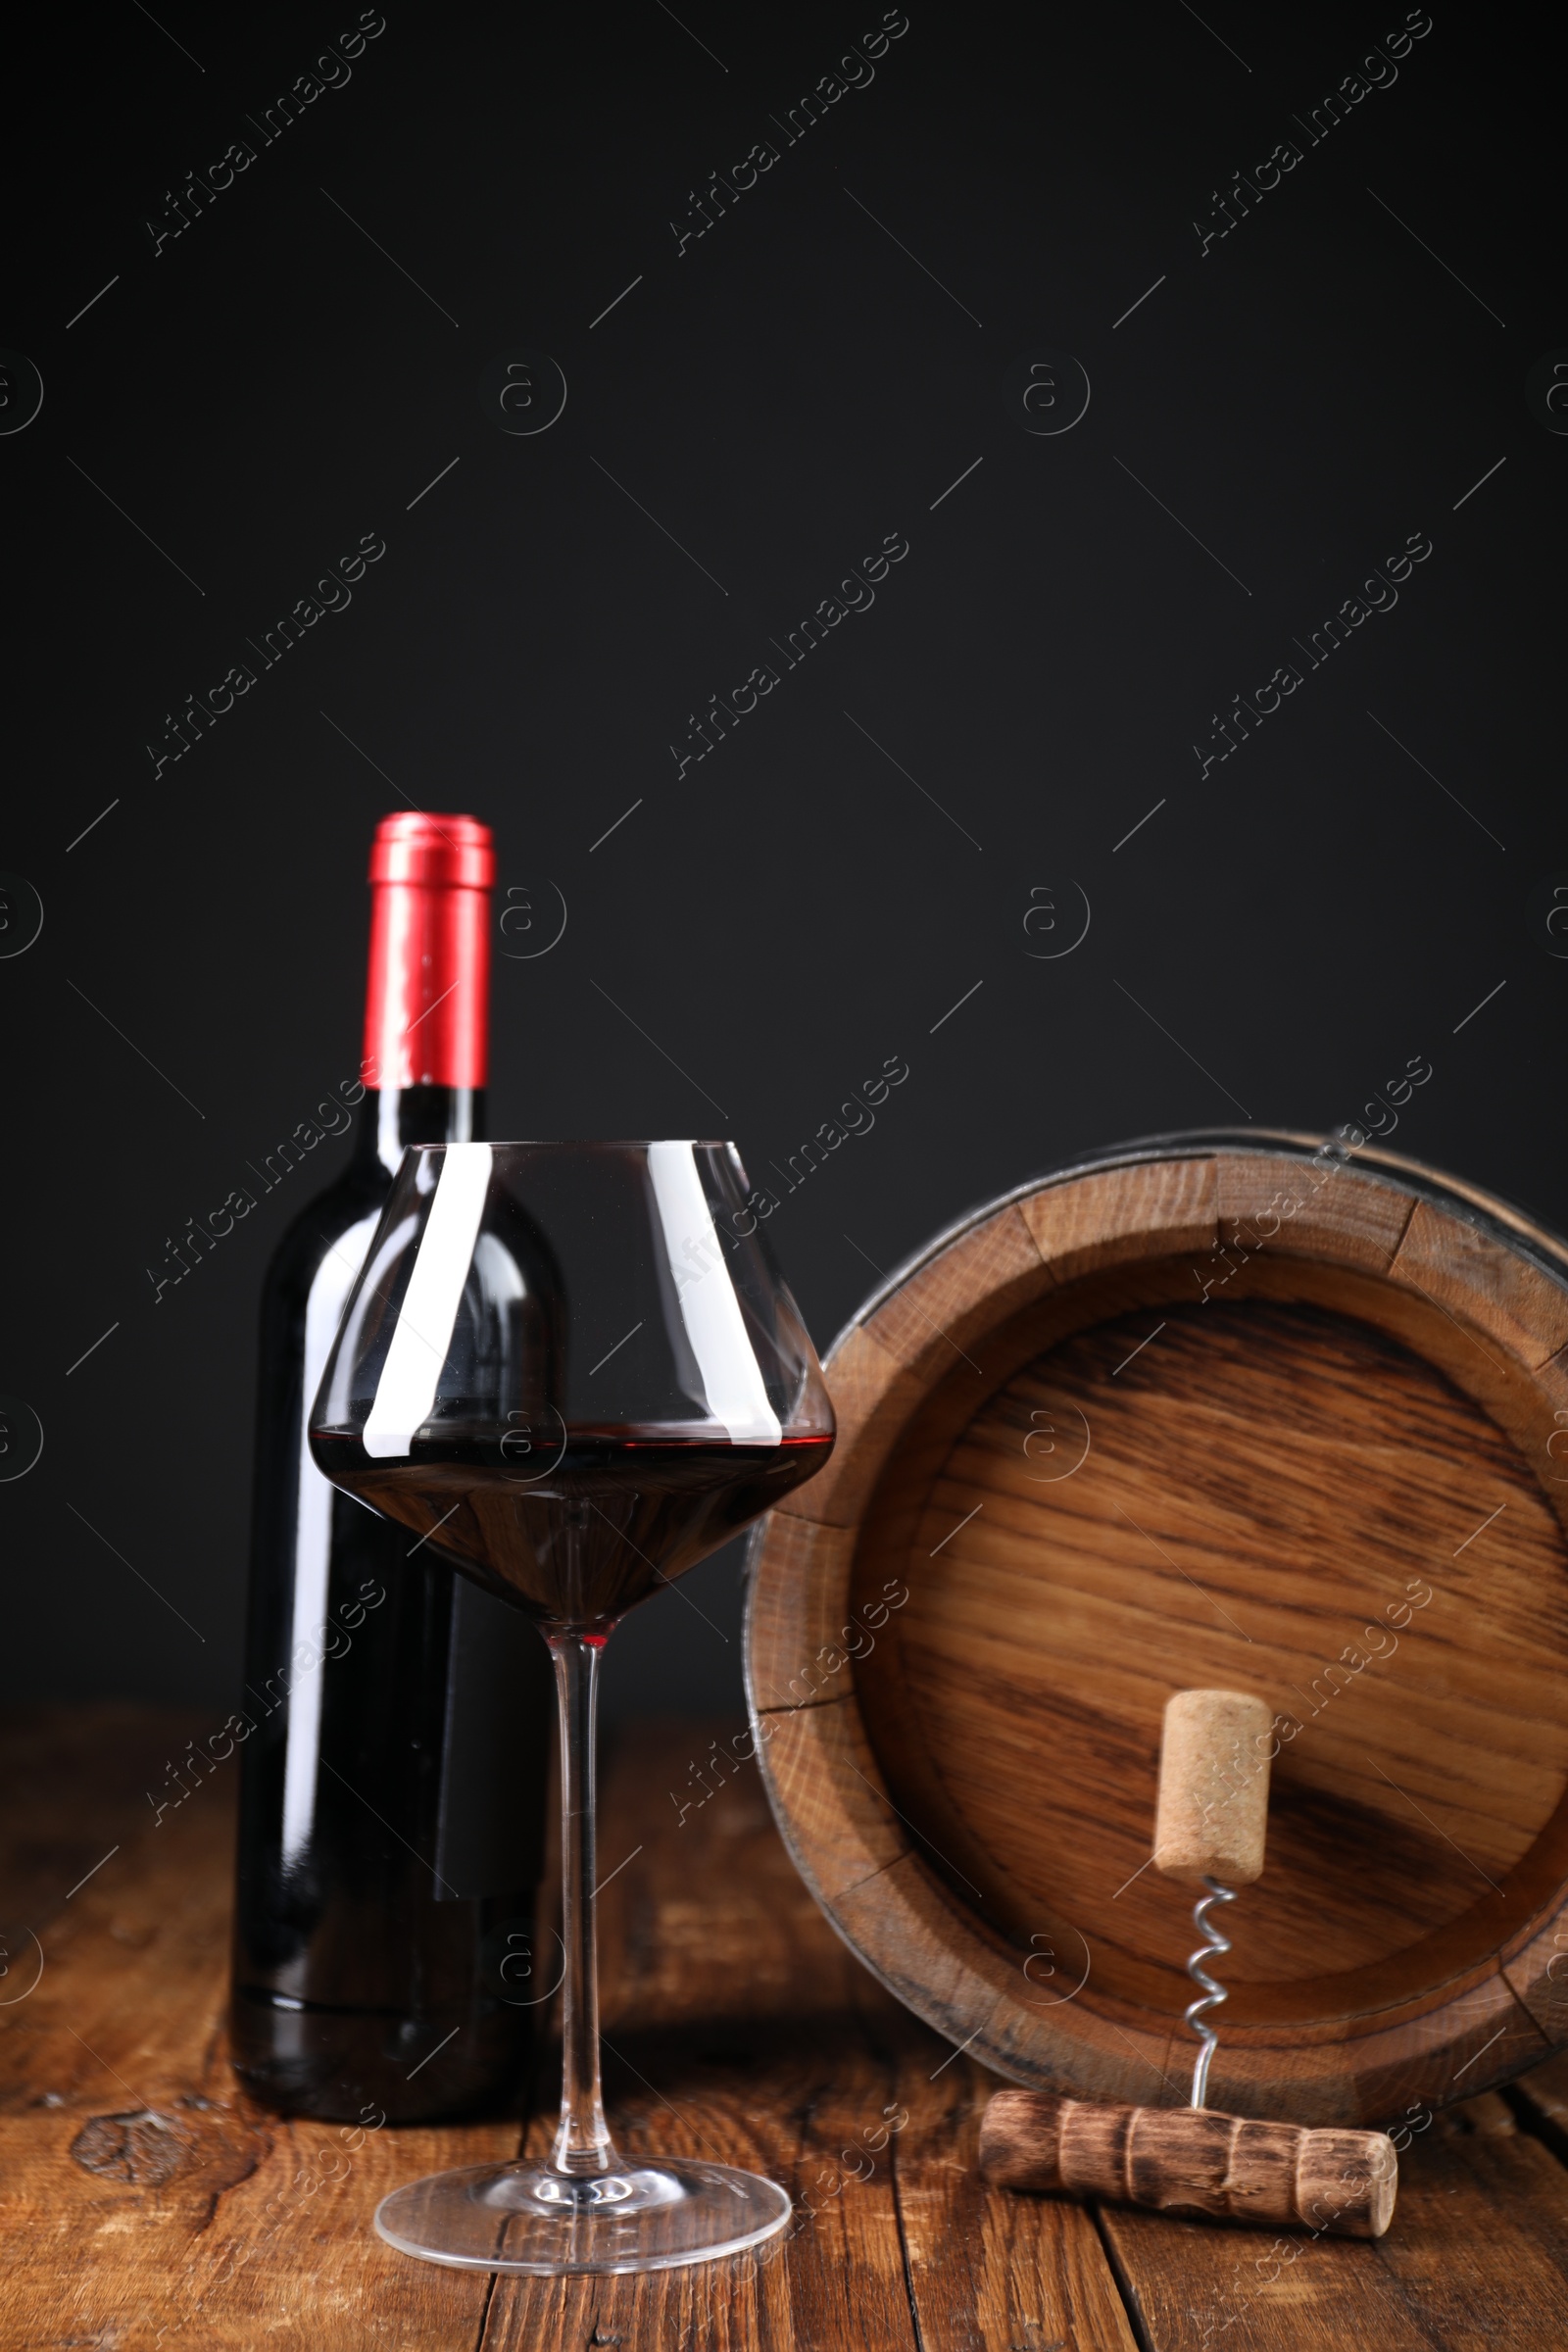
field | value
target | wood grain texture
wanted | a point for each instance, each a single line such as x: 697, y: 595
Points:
x: 989, y: 2272
x: 1263, y: 1430
x: 964, y: 1972
x: 737, y: 2021
x: 142, y: 2197
x: 961, y: 1296
x: 813, y: 1755
x: 874, y: 1396
x: 84, y: 1798
x: 1476, y: 2258
x: 1474, y: 1275
x: 1125, y: 1216
x: 1540, y: 2100
x: 1237, y: 1522
x: 807, y: 1608
x: 1269, y: 1198
x: 737, y: 2024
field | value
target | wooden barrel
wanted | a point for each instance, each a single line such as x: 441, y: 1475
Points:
x: 1211, y: 1413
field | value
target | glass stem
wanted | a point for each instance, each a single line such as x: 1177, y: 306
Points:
x: 583, y: 2146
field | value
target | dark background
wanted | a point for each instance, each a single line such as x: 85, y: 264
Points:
x: 1279, y: 940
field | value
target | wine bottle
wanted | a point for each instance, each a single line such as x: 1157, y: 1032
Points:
x: 393, y: 1787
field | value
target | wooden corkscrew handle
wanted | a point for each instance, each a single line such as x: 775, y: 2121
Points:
x: 1193, y: 2161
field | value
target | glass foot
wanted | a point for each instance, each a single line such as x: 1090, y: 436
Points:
x: 524, y: 2217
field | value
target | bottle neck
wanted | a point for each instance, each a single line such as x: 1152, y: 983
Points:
x: 425, y: 1004
x: 427, y: 996
x: 396, y: 1116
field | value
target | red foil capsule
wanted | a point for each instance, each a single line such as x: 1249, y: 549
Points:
x: 426, y: 1003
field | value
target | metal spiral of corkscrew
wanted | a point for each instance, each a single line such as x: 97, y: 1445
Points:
x: 1213, y: 1992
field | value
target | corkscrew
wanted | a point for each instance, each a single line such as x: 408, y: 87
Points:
x: 1210, y: 1829
x: 1210, y: 1826
x: 1216, y: 1945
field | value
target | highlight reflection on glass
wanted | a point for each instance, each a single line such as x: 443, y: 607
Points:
x: 572, y: 1370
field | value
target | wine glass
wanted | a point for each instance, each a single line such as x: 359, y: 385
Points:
x: 574, y: 1371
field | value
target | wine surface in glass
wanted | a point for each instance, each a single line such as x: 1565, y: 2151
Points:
x: 616, y: 1512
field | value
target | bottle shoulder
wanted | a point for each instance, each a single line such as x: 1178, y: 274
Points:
x: 319, y: 1223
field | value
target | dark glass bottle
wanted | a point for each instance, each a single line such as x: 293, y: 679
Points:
x: 394, y: 1781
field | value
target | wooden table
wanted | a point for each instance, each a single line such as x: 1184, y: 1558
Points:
x: 147, y: 2203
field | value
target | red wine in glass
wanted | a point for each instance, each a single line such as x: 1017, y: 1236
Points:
x: 618, y: 1513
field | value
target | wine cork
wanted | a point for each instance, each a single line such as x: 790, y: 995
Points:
x: 1212, y: 1815
x: 1192, y: 2160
